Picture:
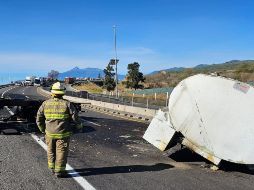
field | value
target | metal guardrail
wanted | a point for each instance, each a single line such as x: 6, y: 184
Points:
x: 79, y: 94
x: 136, y: 102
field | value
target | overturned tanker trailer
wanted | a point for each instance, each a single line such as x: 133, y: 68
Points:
x: 214, y: 117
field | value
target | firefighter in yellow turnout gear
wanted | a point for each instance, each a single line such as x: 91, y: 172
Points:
x: 54, y: 118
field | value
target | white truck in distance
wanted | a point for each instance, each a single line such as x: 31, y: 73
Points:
x: 29, y: 80
x: 37, y: 82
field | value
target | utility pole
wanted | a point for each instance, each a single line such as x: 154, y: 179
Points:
x: 116, y: 77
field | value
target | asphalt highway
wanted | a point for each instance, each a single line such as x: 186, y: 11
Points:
x: 109, y: 154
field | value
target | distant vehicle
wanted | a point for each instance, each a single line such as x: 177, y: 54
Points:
x: 37, y: 82
x: 29, y: 80
x: 43, y: 81
x: 18, y: 83
x: 69, y: 80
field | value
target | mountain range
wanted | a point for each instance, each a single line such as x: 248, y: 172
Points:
x: 226, y: 65
x: 95, y: 72
x: 86, y: 72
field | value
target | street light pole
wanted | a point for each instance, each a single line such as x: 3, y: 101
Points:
x: 116, y: 77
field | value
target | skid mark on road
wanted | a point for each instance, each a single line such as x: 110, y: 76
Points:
x: 91, y: 122
x: 75, y: 175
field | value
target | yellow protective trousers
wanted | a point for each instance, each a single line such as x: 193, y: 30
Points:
x: 57, y: 153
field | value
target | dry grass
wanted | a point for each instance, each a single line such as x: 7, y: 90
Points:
x: 89, y: 87
x: 93, y: 88
x: 171, y: 79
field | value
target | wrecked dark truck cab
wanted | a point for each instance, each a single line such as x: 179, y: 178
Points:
x: 19, y: 115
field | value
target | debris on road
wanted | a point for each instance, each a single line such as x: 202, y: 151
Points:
x: 125, y: 136
x: 214, y: 168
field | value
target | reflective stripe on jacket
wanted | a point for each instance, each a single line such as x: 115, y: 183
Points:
x: 55, y: 117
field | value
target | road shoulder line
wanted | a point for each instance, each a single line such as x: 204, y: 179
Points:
x: 75, y: 175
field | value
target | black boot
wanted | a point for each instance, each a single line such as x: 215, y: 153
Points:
x: 61, y: 174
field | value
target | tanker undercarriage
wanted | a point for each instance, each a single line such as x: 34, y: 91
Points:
x: 18, y: 115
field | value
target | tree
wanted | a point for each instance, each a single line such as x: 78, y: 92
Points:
x: 109, y: 82
x: 53, y: 74
x: 134, y: 77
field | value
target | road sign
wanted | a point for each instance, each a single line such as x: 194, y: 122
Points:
x: 113, y: 61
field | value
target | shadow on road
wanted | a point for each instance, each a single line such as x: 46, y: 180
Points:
x: 233, y: 167
x: 186, y: 155
x: 17, y: 129
x: 119, y: 169
x: 88, y: 129
x: 10, y: 131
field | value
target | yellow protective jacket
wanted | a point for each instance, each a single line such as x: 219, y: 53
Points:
x: 55, y: 117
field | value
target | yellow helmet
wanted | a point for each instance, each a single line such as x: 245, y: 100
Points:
x: 58, y: 89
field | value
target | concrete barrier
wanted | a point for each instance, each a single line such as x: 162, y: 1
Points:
x: 125, y: 108
x: 136, y: 111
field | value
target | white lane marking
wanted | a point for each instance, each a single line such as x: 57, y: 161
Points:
x: 75, y: 175
x: 23, y: 93
x: 91, y: 122
x: 7, y: 91
x: 27, y: 96
x: 9, y: 110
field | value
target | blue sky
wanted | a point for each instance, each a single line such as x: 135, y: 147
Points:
x: 37, y: 36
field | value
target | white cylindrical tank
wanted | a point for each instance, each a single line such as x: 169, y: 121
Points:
x: 215, y: 114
